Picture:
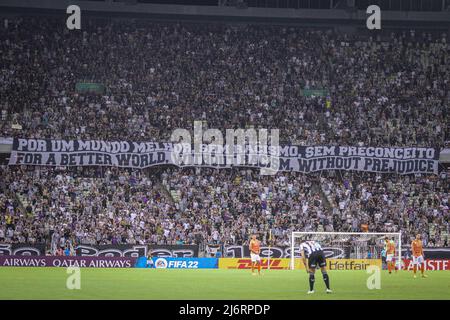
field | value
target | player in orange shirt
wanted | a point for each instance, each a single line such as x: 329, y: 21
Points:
x: 390, y: 253
x: 417, y: 252
x: 255, y: 248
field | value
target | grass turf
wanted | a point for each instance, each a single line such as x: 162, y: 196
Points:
x: 50, y: 283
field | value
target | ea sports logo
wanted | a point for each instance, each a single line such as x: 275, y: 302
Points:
x: 161, y: 263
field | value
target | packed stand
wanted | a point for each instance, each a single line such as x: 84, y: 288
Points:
x: 392, y: 203
x: 199, y: 206
x: 391, y: 91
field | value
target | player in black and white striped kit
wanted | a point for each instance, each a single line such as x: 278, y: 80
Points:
x: 312, y: 251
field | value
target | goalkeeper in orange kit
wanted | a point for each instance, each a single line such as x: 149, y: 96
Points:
x: 418, y: 259
x: 390, y: 254
x: 255, y: 248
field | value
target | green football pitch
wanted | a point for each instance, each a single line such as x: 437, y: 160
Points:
x: 50, y: 283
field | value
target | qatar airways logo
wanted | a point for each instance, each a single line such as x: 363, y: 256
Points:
x: 241, y: 147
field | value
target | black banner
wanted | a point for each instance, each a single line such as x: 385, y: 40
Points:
x: 237, y: 251
x: 22, y: 249
x: 118, y: 250
x: 281, y: 252
x: 430, y: 253
x: 124, y: 250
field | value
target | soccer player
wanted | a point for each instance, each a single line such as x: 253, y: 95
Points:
x: 312, y: 251
x: 390, y: 253
x: 255, y: 247
x: 417, y: 252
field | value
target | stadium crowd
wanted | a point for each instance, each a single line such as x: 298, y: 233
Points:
x: 119, y: 206
x: 391, y: 91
